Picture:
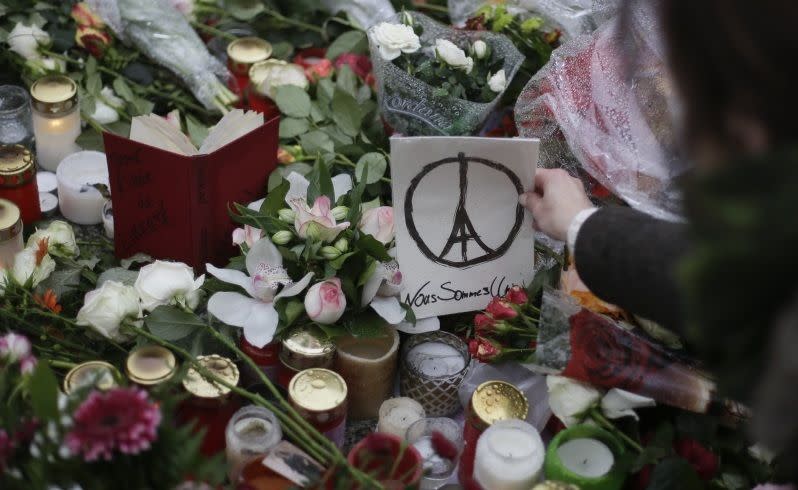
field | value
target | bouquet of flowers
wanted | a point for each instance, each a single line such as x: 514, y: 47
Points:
x: 337, y: 247
x: 435, y: 80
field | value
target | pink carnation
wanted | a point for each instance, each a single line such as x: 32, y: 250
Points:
x: 122, y: 419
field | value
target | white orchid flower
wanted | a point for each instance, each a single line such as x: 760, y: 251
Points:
x: 256, y: 313
x: 381, y: 292
x: 249, y: 234
x: 619, y: 403
x: 319, y: 219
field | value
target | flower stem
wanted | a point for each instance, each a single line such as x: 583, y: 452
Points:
x: 602, y: 421
x: 213, y: 30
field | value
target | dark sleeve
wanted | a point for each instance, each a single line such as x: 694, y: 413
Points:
x: 629, y: 258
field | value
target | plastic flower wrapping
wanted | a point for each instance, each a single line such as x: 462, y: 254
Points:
x: 163, y: 34
x: 410, y: 106
x: 590, y: 115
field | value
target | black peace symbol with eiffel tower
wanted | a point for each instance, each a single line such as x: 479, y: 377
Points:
x: 463, y: 230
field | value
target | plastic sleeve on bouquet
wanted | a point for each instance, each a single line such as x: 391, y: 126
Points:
x: 365, y: 12
x: 586, y: 346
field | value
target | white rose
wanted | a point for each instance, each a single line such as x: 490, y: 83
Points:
x: 30, y: 265
x: 60, y: 239
x: 394, y: 39
x: 620, y: 403
x: 480, y: 49
x: 40, y: 67
x: 453, y: 56
x: 278, y: 74
x: 103, y: 113
x: 25, y: 41
x: 325, y: 302
x: 110, y: 98
x: 569, y: 399
x: 498, y: 81
x: 165, y: 283
x: 378, y: 222
x: 106, y: 308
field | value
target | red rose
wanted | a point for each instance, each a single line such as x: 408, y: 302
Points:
x: 309, y: 57
x: 359, y: 64
x: 517, y: 295
x: 443, y: 446
x: 322, y: 69
x: 92, y: 40
x: 483, y: 350
x: 500, y: 309
x: 484, y: 323
x: 700, y: 458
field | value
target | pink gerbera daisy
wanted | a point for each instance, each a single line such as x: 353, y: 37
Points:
x: 123, y: 419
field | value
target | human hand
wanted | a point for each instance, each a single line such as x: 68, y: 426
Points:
x: 556, y: 200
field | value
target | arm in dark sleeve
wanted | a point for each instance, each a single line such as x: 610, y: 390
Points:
x: 629, y: 258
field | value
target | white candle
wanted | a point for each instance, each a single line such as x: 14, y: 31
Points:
x: 397, y: 414
x: 108, y: 219
x: 509, y: 456
x: 586, y: 457
x: 48, y: 203
x: 80, y: 202
x: 435, y: 359
x: 46, y: 181
x: 10, y: 233
x: 56, y: 119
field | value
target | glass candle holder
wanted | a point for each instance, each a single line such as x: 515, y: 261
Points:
x: 251, y: 433
x: 16, y: 121
x: 586, y: 456
x: 303, y: 348
x: 18, y: 181
x: 80, y: 202
x: 439, y: 465
x: 56, y: 119
x: 10, y: 233
x: 389, y: 460
x: 433, y: 366
x: 368, y: 364
x: 509, y: 456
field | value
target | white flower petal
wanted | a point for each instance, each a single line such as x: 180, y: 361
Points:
x: 298, y: 188
x: 570, y: 399
x: 342, y: 184
x: 619, y: 403
x: 255, y: 205
x: 372, y: 285
x: 232, y: 308
x: 390, y: 309
x: 295, y: 288
x: 263, y: 252
x: 232, y: 276
x: 423, y: 325
x: 389, y: 54
x: 259, y: 328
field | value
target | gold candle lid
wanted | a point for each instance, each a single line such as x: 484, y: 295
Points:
x: 317, y: 390
x: 246, y: 51
x: 54, y: 94
x: 10, y: 220
x: 220, y: 366
x: 554, y: 485
x: 100, y: 374
x: 497, y: 400
x: 306, y: 344
x: 150, y: 365
x: 16, y: 165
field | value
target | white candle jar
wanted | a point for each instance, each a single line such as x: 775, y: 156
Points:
x: 509, y: 456
x: 79, y: 201
x: 397, y: 414
x: 10, y: 233
x: 56, y: 119
x: 433, y: 366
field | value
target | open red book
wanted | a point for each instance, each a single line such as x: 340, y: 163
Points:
x: 175, y: 207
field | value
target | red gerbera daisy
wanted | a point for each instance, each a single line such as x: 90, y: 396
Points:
x: 122, y: 419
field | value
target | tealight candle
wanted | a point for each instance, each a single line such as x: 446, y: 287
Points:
x: 509, y: 456
x: 48, y: 203
x: 585, y: 455
x: 56, y: 119
x: 80, y: 202
x: 397, y: 414
x: 46, y: 181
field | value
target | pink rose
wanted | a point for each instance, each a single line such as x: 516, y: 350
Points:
x: 27, y: 365
x: 378, y: 222
x: 318, y: 221
x: 360, y: 64
x: 325, y: 301
x: 14, y: 347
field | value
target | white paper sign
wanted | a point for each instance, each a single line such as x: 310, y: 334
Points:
x: 461, y: 236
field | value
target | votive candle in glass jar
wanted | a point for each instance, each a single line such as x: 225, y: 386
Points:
x: 56, y: 119
x: 320, y: 397
x: 509, y: 456
x: 79, y: 200
x: 150, y: 365
x: 368, y: 364
x: 242, y: 53
x: 398, y: 414
x: 18, y: 181
x: 251, y: 433
x: 98, y: 375
x: 211, y: 405
x: 10, y: 233
x: 432, y: 367
x: 303, y: 348
x: 267, y: 358
x: 439, y: 463
x: 16, y: 122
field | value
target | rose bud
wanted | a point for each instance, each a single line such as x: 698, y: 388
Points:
x: 282, y: 237
x: 342, y: 244
x: 378, y: 222
x: 501, y: 310
x: 484, y: 323
x: 358, y: 63
x: 92, y: 40
x: 483, y: 350
x: 319, y: 70
x: 325, y: 301
x: 340, y: 212
x: 517, y: 296
x: 84, y: 16
x: 480, y: 49
x: 284, y: 156
x: 287, y: 215
x: 329, y: 252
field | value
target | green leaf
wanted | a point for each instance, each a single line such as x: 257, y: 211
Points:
x: 121, y: 88
x: 320, y: 183
x: 366, y: 324
x: 367, y: 273
x: 292, y: 101
x: 347, y: 80
x: 376, y: 165
x: 118, y: 274
x: 338, y: 262
x: 346, y: 113
x: 317, y: 113
x: 196, y: 131
x: 282, y: 50
x: 291, y: 127
x: 171, y: 324
x: 91, y: 65
x: 292, y: 310
x: 62, y: 280
x: 143, y: 106
x: 674, y: 474
x: 316, y: 142
x: 348, y: 42
x: 244, y: 9
x: 88, y: 103
x: 90, y: 139
x: 43, y: 389
x: 275, y: 199
x: 139, y: 258
x: 340, y: 138
x: 325, y: 89
x: 373, y: 247
x: 94, y: 84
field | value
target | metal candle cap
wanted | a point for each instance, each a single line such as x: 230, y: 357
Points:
x: 150, y: 365
x: 246, y: 51
x: 16, y: 165
x: 99, y: 374
x: 221, y: 367
x: 54, y: 94
x: 10, y: 220
x: 498, y: 400
x: 317, y: 389
x: 306, y: 345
